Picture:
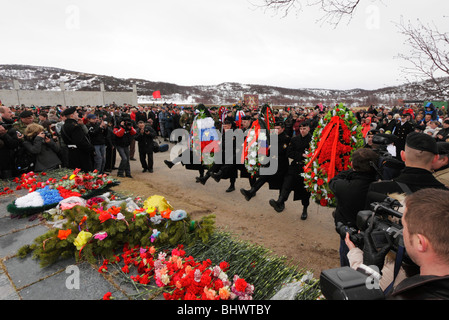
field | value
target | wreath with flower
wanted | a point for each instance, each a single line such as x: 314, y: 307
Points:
x: 255, y: 147
x: 337, y: 135
x: 97, y: 229
x: 204, y: 139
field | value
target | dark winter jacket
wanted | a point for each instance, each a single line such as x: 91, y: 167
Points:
x: 8, y: 143
x: 145, y: 141
x: 97, y: 134
x: 421, y: 288
x: 350, y: 189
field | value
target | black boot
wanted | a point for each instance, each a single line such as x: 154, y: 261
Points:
x: 279, y: 206
x: 247, y: 193
x: 304, y: 213
x: 203, y: 179
x: 217, y: 175
x: 169, y: 163
x: 231, y: 188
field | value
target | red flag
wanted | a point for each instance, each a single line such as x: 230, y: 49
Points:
x: 157, y: 95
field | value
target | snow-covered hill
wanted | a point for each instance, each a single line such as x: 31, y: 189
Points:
x: 48, y: 78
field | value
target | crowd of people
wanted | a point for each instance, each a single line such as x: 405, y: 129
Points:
x: 406, y: 151
x: 90, y: 138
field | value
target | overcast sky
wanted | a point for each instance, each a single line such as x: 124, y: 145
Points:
x: 208, y: 42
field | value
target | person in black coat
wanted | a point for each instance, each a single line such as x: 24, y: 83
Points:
x: 420, y: 153
x: 293, y: 181
x: 98, y: 131
x: 401, y: 131
x: 145, y: 139
x: 275, y: 180
x: 350, y: 189
x: 9, y: 142
x: 81, y: 151
x: 141, y: 115
x: 227, y: 169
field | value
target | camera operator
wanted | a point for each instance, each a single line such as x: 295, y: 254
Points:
x: 41, y: 145
x: 420, y: 154
x: 122, y: 140
x: 388, y: 166
x: 145, y: 139
x: 427, y: 244
x: 9, y: 141
x: 350, y: 188
x: 97, y: 134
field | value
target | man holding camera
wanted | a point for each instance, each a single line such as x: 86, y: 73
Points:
x: 350, y: 188
x: 123, y: 134
x: 98, y: 134
x: 145, y: 138
x: 9, y: 141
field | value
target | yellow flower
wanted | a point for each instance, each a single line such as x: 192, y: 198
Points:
x: 72, y: 177
x: 151, y: 211
x: 82, y: 239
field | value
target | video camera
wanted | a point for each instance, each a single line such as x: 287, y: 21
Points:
x: 383, y: 225
x: 388, y: 167
x: 349, y: 284
x: 7, y: 126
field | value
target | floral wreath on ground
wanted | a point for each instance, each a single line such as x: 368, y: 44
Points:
x: 47, y: 194
x: 337, y: 135
x: 98, y: 229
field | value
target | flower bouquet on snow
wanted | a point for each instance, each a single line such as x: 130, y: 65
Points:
x: 46, y: 195
x: 256, y: 144
x: 337, y: 135
x: 204, y: 138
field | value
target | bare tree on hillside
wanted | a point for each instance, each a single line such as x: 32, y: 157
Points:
x: 429, y: 48
x: 428, y: 58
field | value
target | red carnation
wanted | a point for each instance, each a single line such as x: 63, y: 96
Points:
x: 107, y: 296
x: 224, y: 266
x: 323, y: 202
x: 125, y: 269
x: 240, y: 285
